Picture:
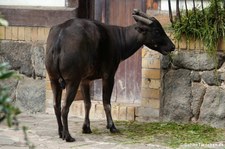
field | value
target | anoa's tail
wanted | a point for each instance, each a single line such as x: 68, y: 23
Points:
x: 56, y: 60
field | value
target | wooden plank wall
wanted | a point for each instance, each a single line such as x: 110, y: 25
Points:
x: 127, y: 87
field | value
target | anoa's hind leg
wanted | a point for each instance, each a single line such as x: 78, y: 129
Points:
x: 71, y: 90
x: 57, y: 94
x: 85, y: 88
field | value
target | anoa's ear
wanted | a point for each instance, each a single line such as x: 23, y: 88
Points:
x: 141, y: 29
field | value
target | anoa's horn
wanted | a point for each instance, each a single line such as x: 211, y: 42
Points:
x: 142, y: 19
x: 140, y: 13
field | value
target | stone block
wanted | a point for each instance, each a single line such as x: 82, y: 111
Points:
x: 8, y: 33
x: 46, y: 32
x: 198, y: 92
x: 176, y: 96
x: 11, y: 84
x: 14, y: 33
x: 27, y: 33
x: 151, y: 63
x: 31, y: 95
x: 150, y: 93
x: 154, y: 103
x: 195, y: 76
x: 145, y: 82
x: 115, y: 112
x: 148, y: 102
x: 92, y: 110
x: 145, y: 102
x: 155, y: 84
x: 212, y: 110
x: 130, y: 113
x: 99, y: 112
x: 212, y: 78
x: 222, y: 76
x: 146, y: 114
x: 34, y: 34
x: 21, y: 33
x: 41, y: 34
x: 37, y: 59
x: 27, y: 58
x: 165, y: 62
x: 19, y: 59
x: 151, y: 73
x: 2, y: 32
x: 77, y: 109
x: 196, y: 61
x: 122, y: 112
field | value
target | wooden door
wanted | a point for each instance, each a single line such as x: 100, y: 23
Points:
x: 127, y: 86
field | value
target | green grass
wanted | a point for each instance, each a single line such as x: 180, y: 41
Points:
x: 168, y: 134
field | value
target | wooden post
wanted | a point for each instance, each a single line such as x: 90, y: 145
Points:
x: 178, y: 10
x: 186, y: 8
x: 86, y: 9
x: 202, y: 8
x: 98, y: 10
x: 170, y: 11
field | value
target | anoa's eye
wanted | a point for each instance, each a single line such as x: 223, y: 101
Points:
x: 156, y: 31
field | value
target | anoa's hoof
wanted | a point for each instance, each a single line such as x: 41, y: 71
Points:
x: 67, y: 137
x: 86, y: 129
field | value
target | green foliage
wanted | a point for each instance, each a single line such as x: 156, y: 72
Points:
x: 207, y: 25
x: 169, y: 134
x: 28, y: 142
x: 3, y: 22
x: 7, y: 110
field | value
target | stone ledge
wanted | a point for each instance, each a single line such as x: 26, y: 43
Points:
x: 129, y: 112
x: 119, y: 111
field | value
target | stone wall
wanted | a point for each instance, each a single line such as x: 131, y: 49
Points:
x: 193, y: 88
x: 24, y: 48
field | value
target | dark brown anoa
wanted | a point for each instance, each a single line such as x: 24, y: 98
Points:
x: 80, y: 50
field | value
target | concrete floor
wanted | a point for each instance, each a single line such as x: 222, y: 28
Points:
x: 42, y: 133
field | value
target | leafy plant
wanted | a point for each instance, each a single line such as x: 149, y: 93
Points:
x: 3, y: 22
x: 207, y: 25
x: 7, y: 110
